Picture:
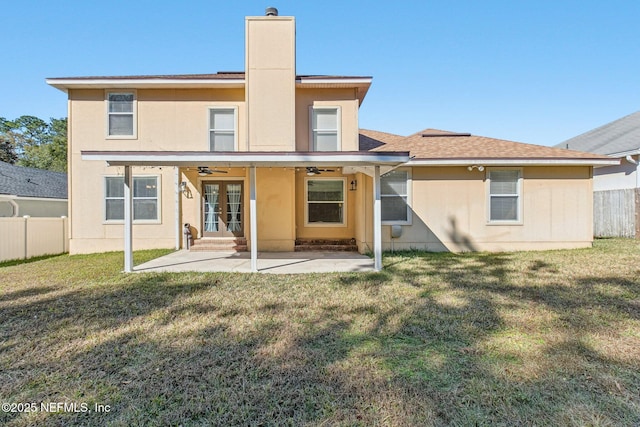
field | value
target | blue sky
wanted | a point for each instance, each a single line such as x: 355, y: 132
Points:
x: 529, y: 71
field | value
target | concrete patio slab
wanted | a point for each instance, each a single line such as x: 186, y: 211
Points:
x: 268, y: 262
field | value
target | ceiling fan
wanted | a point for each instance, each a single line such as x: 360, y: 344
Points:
x: 204, y: 170
x: 313, y: 170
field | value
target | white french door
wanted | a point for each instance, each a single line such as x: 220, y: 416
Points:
x: 222, y: 209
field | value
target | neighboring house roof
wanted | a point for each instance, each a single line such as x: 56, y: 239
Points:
x: 31, y: 182
x: 621, y: 137
x: 443, y: 147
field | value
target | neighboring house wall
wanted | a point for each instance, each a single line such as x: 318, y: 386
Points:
x: 450, y: 212
x: 35, y: 207
x: 619, y: 177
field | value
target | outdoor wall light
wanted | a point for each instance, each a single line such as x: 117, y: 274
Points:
x: 354, y: 185
x: 472, y: 167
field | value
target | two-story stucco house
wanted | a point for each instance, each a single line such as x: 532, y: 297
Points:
x: 276, y: 159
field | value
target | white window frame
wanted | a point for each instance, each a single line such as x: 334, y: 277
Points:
x: 134, y: 113
x: 519, y: 219
x: 235, y: 124
x: 312, y: 130
x: 135, y: 221
x: 409, y: 197
x: 344, y: 202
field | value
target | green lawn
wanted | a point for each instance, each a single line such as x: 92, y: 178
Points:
x: 538, y: 338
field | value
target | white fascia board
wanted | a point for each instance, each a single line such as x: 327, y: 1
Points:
x: 513, y: 162
x: 303, y: 81
x: 65, y: 84
x: 7, y: 197
x: 625, y: 153
x: 263, y: 159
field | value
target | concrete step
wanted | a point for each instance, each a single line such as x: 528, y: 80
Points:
x: 238, y: 244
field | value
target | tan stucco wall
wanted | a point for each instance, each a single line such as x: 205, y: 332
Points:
x: 363, y: 203
x: 449, y: 212
x: 167, y: 119
x: 270, y: 79
x: 171, y: 120
x: 275, y: 199
x: 345, y: 99
x: 89, y: 232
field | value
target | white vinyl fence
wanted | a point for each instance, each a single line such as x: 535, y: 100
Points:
x: 26, y: 237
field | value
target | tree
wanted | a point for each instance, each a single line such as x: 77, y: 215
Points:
x: 7, y: 150
x: 35, y: 142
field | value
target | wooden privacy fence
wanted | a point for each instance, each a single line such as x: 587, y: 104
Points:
x: 26, y: 237
x: 615, y: 213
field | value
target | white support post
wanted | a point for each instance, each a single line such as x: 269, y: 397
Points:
x: 253, y: 219
x: 377, y: 221
x: 176, y: 184
x: 128, y: 220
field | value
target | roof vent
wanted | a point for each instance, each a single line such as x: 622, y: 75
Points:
x: 443, y: 135
x: 271, y: 11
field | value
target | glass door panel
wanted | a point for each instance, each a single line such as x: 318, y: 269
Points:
x: 211, y: 209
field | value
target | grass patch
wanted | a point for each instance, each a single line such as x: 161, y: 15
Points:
x: 532, y: 338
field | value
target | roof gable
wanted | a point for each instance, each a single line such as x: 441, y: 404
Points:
x: 31, y: 182
x: 618, y: 136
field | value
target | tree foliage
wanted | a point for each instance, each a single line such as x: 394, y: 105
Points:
x: 30, y: 141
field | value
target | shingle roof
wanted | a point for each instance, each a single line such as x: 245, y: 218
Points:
x: 434, y: 144
x: 371, y: 139
x: 619, y: 136
x: 30, y: 182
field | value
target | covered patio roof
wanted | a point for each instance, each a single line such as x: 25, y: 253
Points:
x: 379, y: 162
x: 248, y: 159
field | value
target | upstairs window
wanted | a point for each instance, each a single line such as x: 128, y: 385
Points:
x: 222, y: 129
x: 394, y: 197
x: 121, y: 114
x: 325, y: 128
x: 504, y: 195
x: 145, y: 198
